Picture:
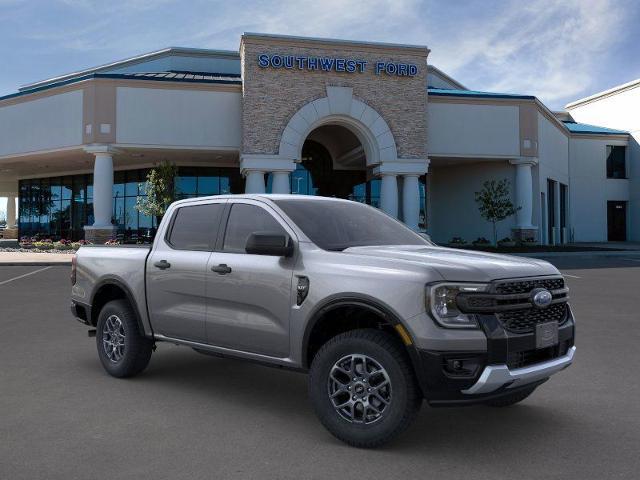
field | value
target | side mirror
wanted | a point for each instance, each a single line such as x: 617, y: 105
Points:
x: 269, y: 243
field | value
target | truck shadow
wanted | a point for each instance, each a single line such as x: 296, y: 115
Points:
x: 282, y: 394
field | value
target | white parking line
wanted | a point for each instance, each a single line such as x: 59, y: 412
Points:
x: 572, y: 276
x: 25, y: 275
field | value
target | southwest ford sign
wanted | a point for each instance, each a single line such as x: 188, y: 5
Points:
x: 333, y: 64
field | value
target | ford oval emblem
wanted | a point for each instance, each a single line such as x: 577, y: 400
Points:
x: 541, y: 297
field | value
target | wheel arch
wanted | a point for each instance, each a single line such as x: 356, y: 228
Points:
x: 329, y: 313
x: 112, y: 288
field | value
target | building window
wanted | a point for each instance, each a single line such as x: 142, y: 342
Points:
x: 616, y: 161
x: 60, y: 207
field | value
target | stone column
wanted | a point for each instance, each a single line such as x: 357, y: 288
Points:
x: 11, y: 232
x: 11, y: 212
x: 254, y: 182
x: 410, y: 170
x: 389, y: 194
x: 102, y: 228
x: 524, y: 198
x: 281, y: 182
x: 411, y: 200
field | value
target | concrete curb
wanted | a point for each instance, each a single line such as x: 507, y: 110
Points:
x: 35, y: 264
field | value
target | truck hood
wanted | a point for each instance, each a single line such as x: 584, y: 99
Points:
x: 461, y: 265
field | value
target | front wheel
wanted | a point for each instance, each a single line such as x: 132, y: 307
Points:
x: 363, y: 388
x: 123, y: 350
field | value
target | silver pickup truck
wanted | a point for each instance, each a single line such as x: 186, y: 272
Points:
x: 379, y: 316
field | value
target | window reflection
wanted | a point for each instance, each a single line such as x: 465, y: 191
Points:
x: 59, y: 207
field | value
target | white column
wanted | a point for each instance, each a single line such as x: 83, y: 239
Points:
x: 524, y: 194
x: 411, y: 201
x: 389, y: 194
x: 11, y: 212
x: 255, y: 181
x: 103, y: 189
x: 281, y: 182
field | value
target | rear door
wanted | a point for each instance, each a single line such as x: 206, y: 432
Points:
x: 177, y: 268
x: 249, y: 296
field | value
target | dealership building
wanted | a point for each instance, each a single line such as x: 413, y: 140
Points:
x: 371, y: 122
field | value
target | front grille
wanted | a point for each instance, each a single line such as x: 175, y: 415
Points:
x: 525, y: 320
x: 525, y: 286
x: 511, y: 302
x: 531, y: 357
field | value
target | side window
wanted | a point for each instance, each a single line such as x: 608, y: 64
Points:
x: 196, y: 227
x: 244, y: 220
x: 616, y: 167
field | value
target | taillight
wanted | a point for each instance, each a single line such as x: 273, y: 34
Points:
x: 74, y: 263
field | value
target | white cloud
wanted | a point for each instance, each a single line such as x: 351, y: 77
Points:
x: 548, y: 48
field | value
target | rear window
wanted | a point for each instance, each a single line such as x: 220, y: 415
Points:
x: 196, y: 227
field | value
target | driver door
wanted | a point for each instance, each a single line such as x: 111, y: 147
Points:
x: 249, y: 297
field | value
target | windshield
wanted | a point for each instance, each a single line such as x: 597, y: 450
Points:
x: 339, y: 225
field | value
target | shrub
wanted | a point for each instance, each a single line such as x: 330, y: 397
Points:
x: 481, y: 241
x: 457, y: 241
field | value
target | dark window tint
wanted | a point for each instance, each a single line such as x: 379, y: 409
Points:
x: 616, y: 162
x: 243, y: 221
x: 196, y: 228
x: 340, y: 225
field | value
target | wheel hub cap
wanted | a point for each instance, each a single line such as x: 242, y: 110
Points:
x: 359, y: 389
x: 113, y: 336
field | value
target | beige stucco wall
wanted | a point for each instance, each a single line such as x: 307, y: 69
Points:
x: 272, y: 96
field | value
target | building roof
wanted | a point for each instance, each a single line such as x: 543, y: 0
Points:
x: 134, y: 60
x: 474, y: 93
x: 171, y: 76
x: 604, y: 93
x: 585, y: 128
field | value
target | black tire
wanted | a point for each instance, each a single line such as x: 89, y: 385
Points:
x: 511, y: 399
x: 404, y: 397
x: 135, y: 353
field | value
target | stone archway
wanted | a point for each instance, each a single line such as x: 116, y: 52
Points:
x: 339, y: 107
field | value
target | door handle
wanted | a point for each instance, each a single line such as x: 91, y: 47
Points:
x: 222, y: 269
x: 162, y: 264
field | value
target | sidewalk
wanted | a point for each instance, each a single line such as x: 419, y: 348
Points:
x: 34, y: 259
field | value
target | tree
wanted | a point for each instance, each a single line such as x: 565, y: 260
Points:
x: 494, y: 203
x: 159, y: 190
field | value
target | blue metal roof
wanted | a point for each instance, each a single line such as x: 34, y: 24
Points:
x: 575, y: 127
x: 188, y: 77
x: 444, y: 92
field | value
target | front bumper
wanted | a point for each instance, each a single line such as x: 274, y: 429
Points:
x: 494, y: 377
x: 510, y: 362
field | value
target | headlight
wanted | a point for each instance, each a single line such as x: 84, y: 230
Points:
x: 441, y: 301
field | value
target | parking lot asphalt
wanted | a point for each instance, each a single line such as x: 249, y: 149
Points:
x: 199, y: 417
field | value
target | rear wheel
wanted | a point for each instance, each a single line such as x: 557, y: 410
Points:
x: 123, y: 350
x: 363, y: 388
x: 512, y: 399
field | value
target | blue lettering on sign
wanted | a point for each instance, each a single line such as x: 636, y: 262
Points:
x: 328, y: 64
x: 263, y: 60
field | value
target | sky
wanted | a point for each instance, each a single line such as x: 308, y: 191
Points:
x: 557, y: 50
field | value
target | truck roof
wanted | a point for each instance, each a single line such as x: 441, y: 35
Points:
x: 266, y: 196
